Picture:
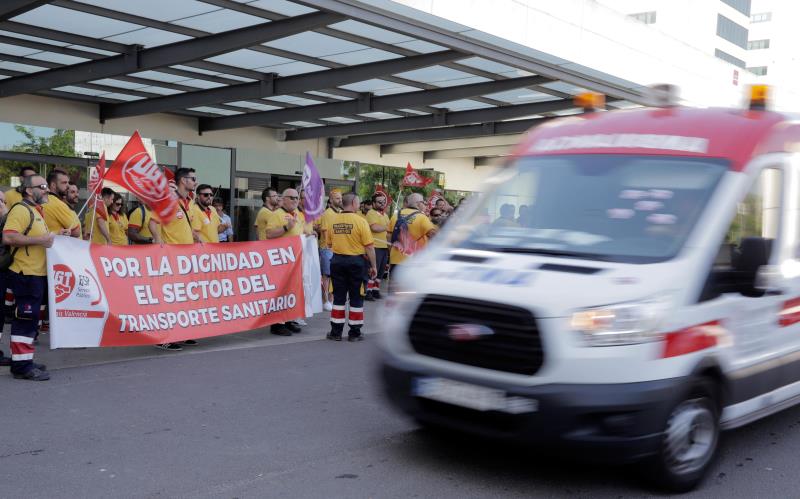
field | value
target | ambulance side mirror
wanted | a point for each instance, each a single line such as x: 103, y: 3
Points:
x: 770, y: 280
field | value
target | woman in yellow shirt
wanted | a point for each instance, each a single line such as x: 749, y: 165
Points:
x: 118, y: 222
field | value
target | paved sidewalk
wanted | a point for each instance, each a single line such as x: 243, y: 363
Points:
x: 318, y: 327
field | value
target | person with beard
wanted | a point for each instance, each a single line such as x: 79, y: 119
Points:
x: 179, y: 229
x: 73, y: 196
x: 118, y: 222
x: 26, y: 231
x: 271, y: 201
x: 206, y: 223
x: 378, y: 223
x: 57, y: 214
x: 322, y: 226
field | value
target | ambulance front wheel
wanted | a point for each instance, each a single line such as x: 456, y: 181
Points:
x: 689, y: 441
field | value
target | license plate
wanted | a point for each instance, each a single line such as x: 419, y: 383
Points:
x: 479, y: 398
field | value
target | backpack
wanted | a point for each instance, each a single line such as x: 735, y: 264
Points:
x: 401, y: 237
x: 6, y: 256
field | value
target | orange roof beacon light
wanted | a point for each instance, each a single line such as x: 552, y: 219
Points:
x: 590, y: 101
x: 759, y: 94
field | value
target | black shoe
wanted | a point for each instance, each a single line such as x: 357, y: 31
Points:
x: 369, y: 297
x: 280, y: 330
x: 190, y: 342
x: 293, y: 327
x: 34, y: 374
x: 355, y: 337
x: 40, y: 367
x: 173, y: 347
x: 334, y: 337
x: 376, y: 294
x: 4, y: 361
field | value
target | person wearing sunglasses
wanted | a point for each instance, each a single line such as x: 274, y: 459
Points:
x: 118, y: 222
x: 205, y: 219
x: 26, y: 232
x: 287, y: 221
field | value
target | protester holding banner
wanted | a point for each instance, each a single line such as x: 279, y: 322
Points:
x: 95, y: 222
x: 26, y: 231
x: 286, y: 221
x: 13, y: 195
x: 57, y: 214
x: 4, y: 361
x: 206, y: 223
x: 139, y: 225
x: 118, y: 222
x: 349, y: 237
x: 378, y: 223
x: 179, y: 229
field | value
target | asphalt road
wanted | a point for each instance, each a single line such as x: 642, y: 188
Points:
x: 300, y: 420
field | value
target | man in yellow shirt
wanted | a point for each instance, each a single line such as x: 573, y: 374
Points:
x: 285, y: 222
x: 139, y: 225
x: 14, y: 195
x: 179, y: 229
x: 413, y: 233
x: 26, y: 231
x: 378, y: 223
x: 325, y: 253
x: 95, y: 222
x: 271, y: 201
x: 57, y: 214
x: 350, y: 238
x: 205, y: 220
x: 117, y: 222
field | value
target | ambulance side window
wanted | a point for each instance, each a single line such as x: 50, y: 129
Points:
x: 749, y: 241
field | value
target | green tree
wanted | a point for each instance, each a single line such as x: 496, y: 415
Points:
x: 60, y: 143
x: 390, y: 177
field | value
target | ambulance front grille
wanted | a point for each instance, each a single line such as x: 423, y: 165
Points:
x: 513, y: 345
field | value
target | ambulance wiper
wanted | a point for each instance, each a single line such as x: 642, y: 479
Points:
x: 552, y: 252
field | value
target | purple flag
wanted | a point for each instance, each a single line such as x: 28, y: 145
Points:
x: 313, y: 204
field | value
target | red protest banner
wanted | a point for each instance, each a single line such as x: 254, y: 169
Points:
x: 150, y: 294
x: 136, y: 171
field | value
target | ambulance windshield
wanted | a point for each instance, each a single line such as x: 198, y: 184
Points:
x: 635, y: 209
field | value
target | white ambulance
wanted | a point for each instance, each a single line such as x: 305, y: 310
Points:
x: 628, y: 286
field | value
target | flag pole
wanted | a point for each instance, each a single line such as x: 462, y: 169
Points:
x: 91, y: 195
x: 94, y: 217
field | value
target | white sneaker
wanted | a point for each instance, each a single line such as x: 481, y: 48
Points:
x: 301, y: 322
x: 328, y: 306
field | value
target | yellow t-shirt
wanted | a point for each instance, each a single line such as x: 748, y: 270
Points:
x: 136, y: 222
x: 323, y: 224
x: 417, y: 229
x: 349, y: 234
x: 206, y: 223
x: 13, y: 197
x: 97, y: 236
x: 381, y: 238
x: 262, y: 219
x: 179, y: 230
x: 28, y: 260
x: 58, y: 215
x: 278, y: 219
x: 118, y: 229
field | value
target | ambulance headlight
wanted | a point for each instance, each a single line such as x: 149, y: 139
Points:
x: 620, y: 324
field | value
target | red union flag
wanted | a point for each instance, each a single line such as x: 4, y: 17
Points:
x: 414, y: 179
x: 96, y: 185
x: 136, y: 171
